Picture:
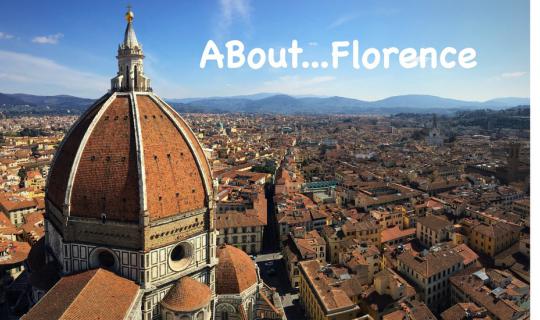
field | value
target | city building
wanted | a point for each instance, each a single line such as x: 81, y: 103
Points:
x: 429, y: 272
x: 413, y: 310
x: 500, y: 294
x: 432, y: 229
x: 241, y: 217
x: 464, y: 311
x: 492, y: 238
x: 386, y: 294
x: 328, y: 292
x: 302, y: 246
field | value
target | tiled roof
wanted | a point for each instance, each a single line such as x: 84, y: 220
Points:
x: 15, y: 253
x: 14, y: 203
x: 331, y: 292
x: 432, y: 263
x: 235, y: 271
x: 108, y: 176
x: 494, y: 229
x: 434, y: 222
x: 394, y: 233
x: 233, y: 219
x: 187, y: 295
x: 6, y: 227
x: 479, y: 293
x: 413, y: 310
x: 463, y: 311
x: 93, y: 294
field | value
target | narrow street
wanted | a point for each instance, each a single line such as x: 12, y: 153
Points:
x: 271, y: 264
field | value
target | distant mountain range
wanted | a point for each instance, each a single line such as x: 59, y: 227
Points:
x: 27, y: 103
x: 285, y: 104
x: 270, y: 103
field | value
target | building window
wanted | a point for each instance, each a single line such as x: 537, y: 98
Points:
x: 103, y: 258
x: 180, y: 256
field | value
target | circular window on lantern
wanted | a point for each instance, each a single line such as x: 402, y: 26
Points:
x: 180, y: 256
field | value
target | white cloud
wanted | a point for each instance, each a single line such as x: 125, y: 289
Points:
x: 5, y: 36
x: 231, y: 11
x: 516, y: 74
x: 50, y: 39
x: 294, y: 84
x: 342, y: 20
x: 31, y: 74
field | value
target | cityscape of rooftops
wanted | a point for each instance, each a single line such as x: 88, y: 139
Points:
x: 265, y: 160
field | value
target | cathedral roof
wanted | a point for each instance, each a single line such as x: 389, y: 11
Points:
x: 187, y: 295
x: 130, y: 154
x: 93, y: 294
x: 235, y: 271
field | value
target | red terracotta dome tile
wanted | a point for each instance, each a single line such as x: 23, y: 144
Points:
x: 235, y: 271
x: 99, y: 168
x: 187, y: 295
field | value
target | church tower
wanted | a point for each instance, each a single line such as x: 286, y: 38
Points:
x: 131, y: 191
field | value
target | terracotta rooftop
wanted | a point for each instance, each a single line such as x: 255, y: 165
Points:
x: 467, y: 253
x: 503, y: 307
x: 97, y: 168
x: 331, y: 292
x: 6, y: 227
x: 13, y: 253
x: 395, y: 233
x: 465, y: 311
x: 412, y: 310
x: 187, y: 295
x: 434, y: 222
x: 432, y: 263
x: 235, y: 271
x: 14, y: 203
x: 494, y: 229
x: 94, y: 294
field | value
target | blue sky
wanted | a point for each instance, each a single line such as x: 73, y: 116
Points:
x: 69, y: 47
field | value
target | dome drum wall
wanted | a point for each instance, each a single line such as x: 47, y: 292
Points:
x: 155, y: 268
x: 174, y: 229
